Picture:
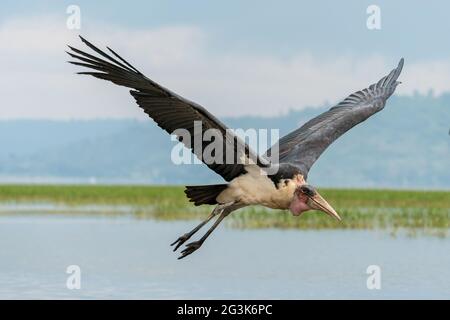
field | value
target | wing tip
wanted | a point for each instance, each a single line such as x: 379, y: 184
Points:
x: 391, y: 78
x: 400, y: 66
x: 399, y: 69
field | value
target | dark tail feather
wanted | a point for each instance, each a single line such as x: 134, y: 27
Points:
x: 204, y: 194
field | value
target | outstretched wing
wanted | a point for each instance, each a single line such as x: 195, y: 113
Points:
x: 304, y: 146
x: 171, y: 112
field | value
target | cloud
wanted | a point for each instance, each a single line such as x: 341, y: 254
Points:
x: 425, y: 77
x: 37, y: 83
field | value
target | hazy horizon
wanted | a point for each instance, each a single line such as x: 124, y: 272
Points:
x: 120, y: 151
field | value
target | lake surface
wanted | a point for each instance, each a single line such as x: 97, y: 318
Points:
x: 123, y: 258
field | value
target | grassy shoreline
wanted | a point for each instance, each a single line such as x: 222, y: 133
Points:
x: 360, y: 208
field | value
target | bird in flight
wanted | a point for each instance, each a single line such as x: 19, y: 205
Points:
x: 251, y: 179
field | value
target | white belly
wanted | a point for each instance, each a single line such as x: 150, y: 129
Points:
x: 255, y: 187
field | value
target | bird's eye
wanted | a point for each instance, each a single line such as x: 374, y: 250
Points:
x: 307, y: 190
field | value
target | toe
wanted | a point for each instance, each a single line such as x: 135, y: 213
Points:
x: 179, y: 241
x: 190, y: 248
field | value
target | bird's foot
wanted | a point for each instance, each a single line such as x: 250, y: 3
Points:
x: 182, y: 239
x: 190, y: 248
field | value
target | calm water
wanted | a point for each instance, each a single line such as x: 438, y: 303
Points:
x: 121, y: 257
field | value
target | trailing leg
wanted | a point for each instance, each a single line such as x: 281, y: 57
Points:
x: 182, y: 239
x: 193, y: 246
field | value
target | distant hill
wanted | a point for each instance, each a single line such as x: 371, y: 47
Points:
x: 406, y: 145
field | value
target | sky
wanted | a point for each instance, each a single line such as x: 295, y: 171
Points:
x: 235, y: 58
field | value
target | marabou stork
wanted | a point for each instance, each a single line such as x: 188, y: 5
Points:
x: 249, y: 180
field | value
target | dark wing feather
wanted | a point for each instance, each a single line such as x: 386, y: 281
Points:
x: 169, y: 110
x: 303, y: 146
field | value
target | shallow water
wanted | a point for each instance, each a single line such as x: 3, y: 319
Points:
x: 122, y: 257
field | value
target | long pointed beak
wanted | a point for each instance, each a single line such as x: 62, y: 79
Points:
x: 318, y: 203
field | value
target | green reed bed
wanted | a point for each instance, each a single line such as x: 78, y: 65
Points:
x: 359, y: 208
